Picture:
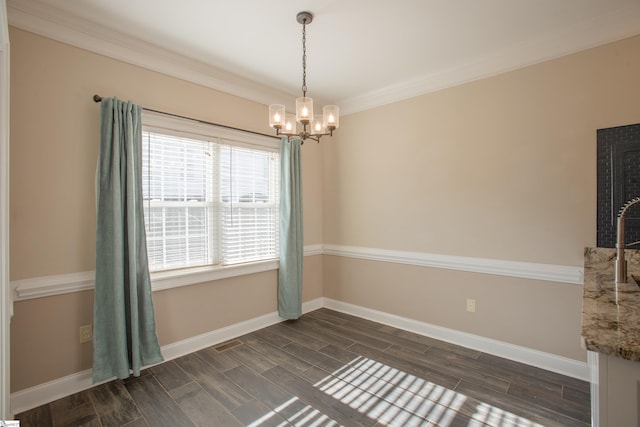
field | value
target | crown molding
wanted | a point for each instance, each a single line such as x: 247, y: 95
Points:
x: 52, y: 23
x: 617, y: 25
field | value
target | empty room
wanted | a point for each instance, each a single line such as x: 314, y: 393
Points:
x: 318, y: 213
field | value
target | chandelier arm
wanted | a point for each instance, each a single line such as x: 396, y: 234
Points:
x: 313, y: 138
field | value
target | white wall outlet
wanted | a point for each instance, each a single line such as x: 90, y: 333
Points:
x: 86, y: 333
x: 471, y: 305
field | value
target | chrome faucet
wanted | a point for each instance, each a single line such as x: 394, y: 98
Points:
x: 621, y: 262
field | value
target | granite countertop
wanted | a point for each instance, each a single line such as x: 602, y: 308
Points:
x: 607, y: 327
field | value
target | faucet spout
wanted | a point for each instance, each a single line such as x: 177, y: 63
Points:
x: 621, y: 262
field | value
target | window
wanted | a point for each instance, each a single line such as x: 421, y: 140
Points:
x: 211, y: 195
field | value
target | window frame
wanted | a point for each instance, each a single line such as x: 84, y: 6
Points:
x: 182, y: 127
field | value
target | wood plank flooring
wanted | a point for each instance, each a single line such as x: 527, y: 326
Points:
x: 328, y: 369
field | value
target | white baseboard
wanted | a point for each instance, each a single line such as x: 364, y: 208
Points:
x: 35, y: 396
x: 190, y: 345
x: 551, y: 362
x: 44, y: 393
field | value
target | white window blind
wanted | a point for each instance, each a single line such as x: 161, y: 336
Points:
x: 208, y: 201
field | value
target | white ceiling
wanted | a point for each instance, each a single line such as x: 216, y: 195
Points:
x: 361, y: 53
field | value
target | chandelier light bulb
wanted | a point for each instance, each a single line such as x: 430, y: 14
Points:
x: 276, y: 116
x: 290, y: 125
x: 331, y: 117
x: 304, y: 109
x: 317, y: 128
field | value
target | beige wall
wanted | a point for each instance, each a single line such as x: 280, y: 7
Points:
x: 501, y: 168
x: 54, y: 145
x: 45, y: 343
x: 529, y: 313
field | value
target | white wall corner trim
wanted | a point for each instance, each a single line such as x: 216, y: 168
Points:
x: 562, y: 365
x: 6, y: 303
x: 35, y: 396
x: 527, y: 270
x: 593, y: 361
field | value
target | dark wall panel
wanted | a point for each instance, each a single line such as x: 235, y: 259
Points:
x: 618, y: 181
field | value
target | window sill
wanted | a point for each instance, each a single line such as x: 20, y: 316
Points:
x: 191, y: 276
x: 47, y: 286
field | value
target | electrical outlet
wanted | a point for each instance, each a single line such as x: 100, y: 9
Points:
x: 86, y: 333
x: 471, y: 305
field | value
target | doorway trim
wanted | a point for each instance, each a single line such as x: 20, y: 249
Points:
x: 6, y: 302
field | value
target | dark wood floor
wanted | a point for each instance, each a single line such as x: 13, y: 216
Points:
x: 328, y: 369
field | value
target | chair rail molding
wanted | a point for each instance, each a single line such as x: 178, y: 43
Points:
x: 45, y: 286
x: 526, y: 270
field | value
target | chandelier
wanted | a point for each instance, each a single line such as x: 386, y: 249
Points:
x: 313, y: 126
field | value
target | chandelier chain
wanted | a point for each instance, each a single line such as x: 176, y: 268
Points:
x: 304, y: 58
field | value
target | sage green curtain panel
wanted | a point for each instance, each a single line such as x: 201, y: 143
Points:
x: 124, y: 338
x: 291, y: 239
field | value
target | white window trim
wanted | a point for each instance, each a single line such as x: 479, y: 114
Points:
x: 162, y: 280
x: 189, y: 128
x: 46, y: 286
x: 183, y: 127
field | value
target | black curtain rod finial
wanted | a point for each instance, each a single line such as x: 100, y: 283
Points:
x: 97, y: 98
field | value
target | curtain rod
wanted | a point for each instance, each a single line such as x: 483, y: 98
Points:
x: 98, y: 98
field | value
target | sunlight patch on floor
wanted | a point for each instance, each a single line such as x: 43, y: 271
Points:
x: 397, y: 398
x: 391, y: 397
x: 490, y: 415
x: 305, y: 416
